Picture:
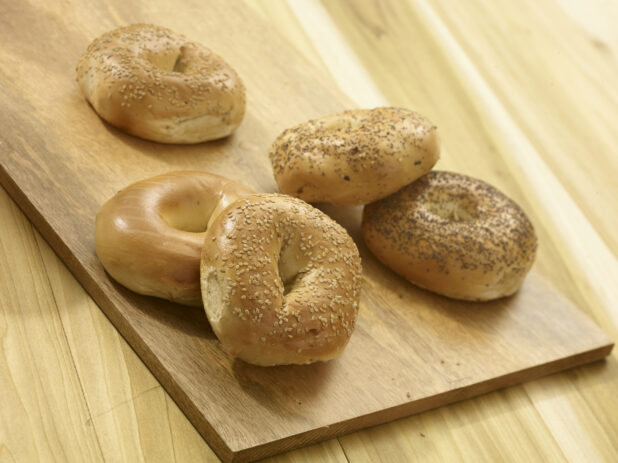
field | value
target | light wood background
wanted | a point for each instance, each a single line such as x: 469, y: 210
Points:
x: 526, y: 97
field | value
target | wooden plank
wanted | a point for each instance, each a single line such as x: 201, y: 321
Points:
x: 500, y: 426
x: 40, y: 388
x: 61, y: 172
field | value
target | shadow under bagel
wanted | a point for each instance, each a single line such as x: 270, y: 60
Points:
x: 300, y: 383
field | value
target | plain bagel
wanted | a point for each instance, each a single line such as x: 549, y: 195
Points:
x: 280, y: 281
x: 454, y: 235
x: 149, y: 236
x: 153, y: 83
x: 355, y: 157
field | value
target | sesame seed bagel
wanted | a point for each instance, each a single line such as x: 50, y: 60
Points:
x: 280, y: 281
x: 149, y: 236
x: 355, y: 157
x: 153, y: 83
x: 454, y: 235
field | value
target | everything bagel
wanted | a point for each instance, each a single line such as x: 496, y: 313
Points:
x: 354, y: 157
x: 453, y: 235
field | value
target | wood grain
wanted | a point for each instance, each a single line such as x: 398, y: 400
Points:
x: 482, y: 446
x: 36, y: 371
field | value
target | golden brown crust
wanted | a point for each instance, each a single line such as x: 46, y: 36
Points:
x: 355, y: 157
x: 149, y: 236
x: 153, y: 83
x: 280, y: 281
x: 454, y: 235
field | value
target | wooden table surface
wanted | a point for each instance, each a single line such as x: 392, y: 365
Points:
x: 526, y: 97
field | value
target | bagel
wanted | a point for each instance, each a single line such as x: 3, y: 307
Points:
x: 280, y: 281
x: 149, y: 236
x: 453, y: 235
x: 153, y: 83
x: 355, y: 157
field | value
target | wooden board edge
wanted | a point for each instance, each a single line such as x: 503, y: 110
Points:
x: 419, y: 406
x: 213, y: 439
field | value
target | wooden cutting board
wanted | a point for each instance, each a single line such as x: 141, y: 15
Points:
x: 412, y: 350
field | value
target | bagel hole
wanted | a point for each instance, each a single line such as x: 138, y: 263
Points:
x: 180, y: 65
x: 191, y: 225
x: 452, y: 207
x: 188, y: 216
x: 170, y: 63
x: 289, y: 270
x: 290, y: 284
